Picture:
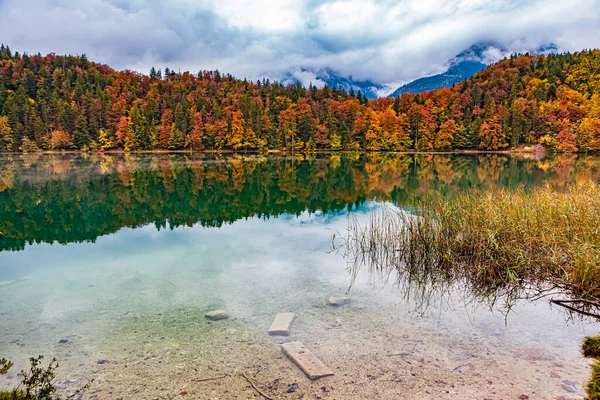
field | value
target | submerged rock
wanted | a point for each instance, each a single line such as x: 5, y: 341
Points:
x: 216, y: 315
x: 337, y: 301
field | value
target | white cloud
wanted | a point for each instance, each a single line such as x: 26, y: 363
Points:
x: 382, y: 41
x: 307, y: 78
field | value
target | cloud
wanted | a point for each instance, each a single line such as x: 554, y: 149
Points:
x: 379, y: 40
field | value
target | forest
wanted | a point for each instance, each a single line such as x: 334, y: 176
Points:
x: 70, y: 103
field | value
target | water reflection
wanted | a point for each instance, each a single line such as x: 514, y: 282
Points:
x: 136, y: 299
x: 75, y: 198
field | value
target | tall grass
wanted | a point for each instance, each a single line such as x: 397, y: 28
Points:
x: 499, y: 242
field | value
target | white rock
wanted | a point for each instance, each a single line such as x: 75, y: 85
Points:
x: 216, y: 315
x: 306, y: 360
x: 282, y: 324
x: 337, y: 301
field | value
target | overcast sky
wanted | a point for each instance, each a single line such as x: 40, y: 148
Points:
x: 382, y: 40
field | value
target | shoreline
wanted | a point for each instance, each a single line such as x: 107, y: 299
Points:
x: 160, y: 151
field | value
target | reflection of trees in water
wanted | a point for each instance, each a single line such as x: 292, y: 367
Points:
x: 73, y: 198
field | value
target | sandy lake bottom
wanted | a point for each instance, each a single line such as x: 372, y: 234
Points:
x: 131, y: 309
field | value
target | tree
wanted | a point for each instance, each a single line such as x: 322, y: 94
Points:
x: 125, y: 135
x: 197, y: 132
x: 61, y: 140
x: 336, y: 142
x: 81, y: 135
x: 6, y: 137
x: 236, y: 135
x: 492, y: 136
x: 106, y: 139
x: 517, y: 122
x: 287, y: 126
x: 445, y: 136
x: 588, y: 134
x: 176, y: 139
x: 164, y: 132
x: 426, y: 128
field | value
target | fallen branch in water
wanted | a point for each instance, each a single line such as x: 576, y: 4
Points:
x: 565, y: 304
x: 256, y: 387
x: 585, y: 301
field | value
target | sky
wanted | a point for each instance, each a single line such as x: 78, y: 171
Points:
x: 385, y: 41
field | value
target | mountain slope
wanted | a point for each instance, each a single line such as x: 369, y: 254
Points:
x: 65, y: 102
x: 466, y: 64
x: 456, y: 73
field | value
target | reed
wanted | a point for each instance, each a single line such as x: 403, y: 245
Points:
x: 494, y: 243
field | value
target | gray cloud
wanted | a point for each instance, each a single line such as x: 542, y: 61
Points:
x: 383, y: 41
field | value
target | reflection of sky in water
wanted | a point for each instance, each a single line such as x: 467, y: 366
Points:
x: 236, y: 266
x: 253, y: 268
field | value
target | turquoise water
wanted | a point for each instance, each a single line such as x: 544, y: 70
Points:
x: 122, y: 257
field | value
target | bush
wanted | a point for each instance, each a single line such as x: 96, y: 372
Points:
x: 37, y: 383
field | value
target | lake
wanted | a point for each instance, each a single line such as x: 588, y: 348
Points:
x: 109, y: 263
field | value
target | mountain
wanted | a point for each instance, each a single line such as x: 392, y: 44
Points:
x: 456, y: 73
x: 333, y: 79
x: 466, y: 64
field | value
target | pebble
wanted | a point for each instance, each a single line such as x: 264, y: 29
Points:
x: 216, y: 315
x: 337, y: 301
x: 63, y: 341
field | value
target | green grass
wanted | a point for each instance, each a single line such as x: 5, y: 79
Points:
x: 593, y: 387
x: 12, y: 395
x: 591, y: 346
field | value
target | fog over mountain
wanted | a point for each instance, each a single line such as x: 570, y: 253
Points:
x: 466, y: 64
x: 383, y: 43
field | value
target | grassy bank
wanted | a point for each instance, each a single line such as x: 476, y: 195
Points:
x: 501, y: 242
x: 591, y: 349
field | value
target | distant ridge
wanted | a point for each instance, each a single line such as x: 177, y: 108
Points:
x: 466, y: 64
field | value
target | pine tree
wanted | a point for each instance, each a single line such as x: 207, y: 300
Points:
x: 176, y: 139
x: 81, y: 135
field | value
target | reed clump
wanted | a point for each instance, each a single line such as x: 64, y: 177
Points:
x: 591, y: 346
x: 593, y: 386
x: 500, y: 241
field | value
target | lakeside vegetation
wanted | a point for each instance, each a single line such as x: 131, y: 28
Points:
x: 67, y: 102
x: 37, y: 383
x: 504, y: 244
x: 591, y: 349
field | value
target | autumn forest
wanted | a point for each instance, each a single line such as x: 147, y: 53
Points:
x: 69, y: 103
